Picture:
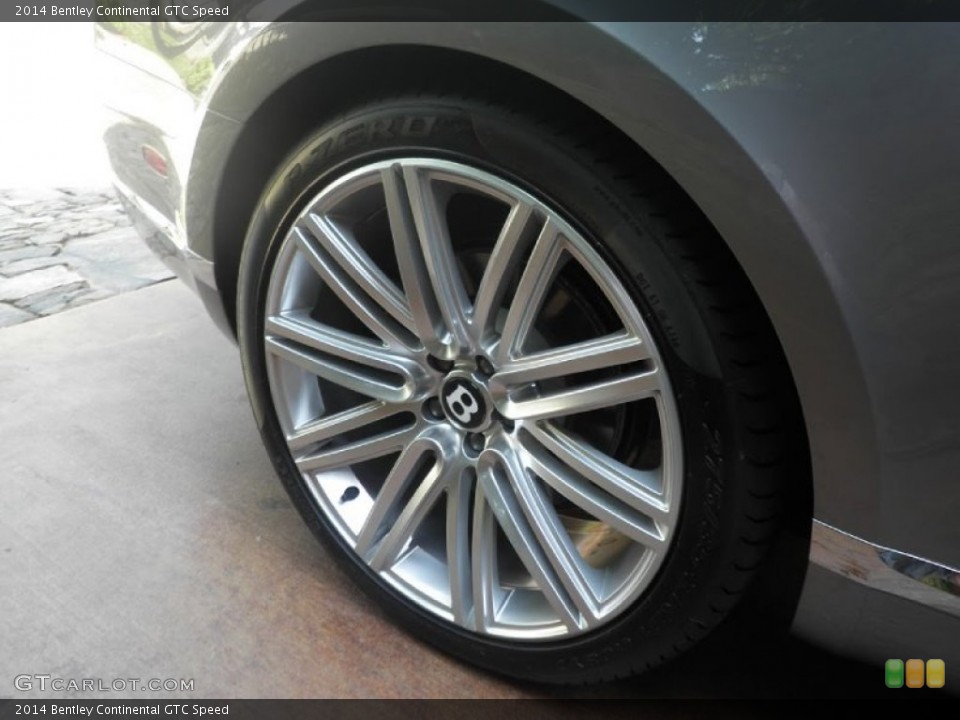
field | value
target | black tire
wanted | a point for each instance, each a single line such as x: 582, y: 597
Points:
x: 724, y: 364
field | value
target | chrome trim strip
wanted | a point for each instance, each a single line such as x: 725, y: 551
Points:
x: 886, y: 569
x: 158, y: 219
x: 199, y: 268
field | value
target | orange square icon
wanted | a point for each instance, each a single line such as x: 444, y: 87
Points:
x: 936, y: 671
x: 915, y: 672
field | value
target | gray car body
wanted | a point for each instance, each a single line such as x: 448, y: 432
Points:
x: 827, y: 158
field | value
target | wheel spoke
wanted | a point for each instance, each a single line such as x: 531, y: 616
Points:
x: 396, y: 482
x: 380, y: 542
x: 499, y: 476
x: 640, y: 489
x: 639, y: 526
x: 604, y: 352
x: 342, y: 373
x: 507, y: 254
x: 537, y: 277
x: 459, y: 496
x: 357, y: 451
x: 427, y: 265
x: 566, y: 565
x: 301, y: 329
x: 617, y: 390
x: 329, y: 426
x: 360, y: 268
x: 488, y: 594
x: 390, y: 548
x: 367, y: 310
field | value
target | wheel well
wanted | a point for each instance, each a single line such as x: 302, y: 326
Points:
x: 285, y: 118
x: 292, y: 111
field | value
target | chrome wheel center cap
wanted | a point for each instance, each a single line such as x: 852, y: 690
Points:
x: 465, y: 402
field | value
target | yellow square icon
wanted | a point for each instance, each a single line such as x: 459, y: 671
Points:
x: 914, y: 673
x: 936, y: 672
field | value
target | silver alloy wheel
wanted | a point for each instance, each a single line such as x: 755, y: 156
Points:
x: 441, y: 421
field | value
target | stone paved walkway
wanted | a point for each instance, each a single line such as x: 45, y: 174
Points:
x: 65, y: 247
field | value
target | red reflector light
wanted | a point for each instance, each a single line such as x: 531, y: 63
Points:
x: 155, y: 159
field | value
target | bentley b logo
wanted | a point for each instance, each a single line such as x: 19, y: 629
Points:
x: 463, y: 404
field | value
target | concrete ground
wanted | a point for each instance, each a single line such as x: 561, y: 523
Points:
x: 143, y: 534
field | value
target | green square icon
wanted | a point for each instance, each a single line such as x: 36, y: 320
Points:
x: 893, y: 673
